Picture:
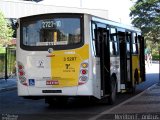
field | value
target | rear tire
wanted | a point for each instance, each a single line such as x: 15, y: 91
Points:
x: 112, y: 96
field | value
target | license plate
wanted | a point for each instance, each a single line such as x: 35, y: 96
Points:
x: 52, y: 82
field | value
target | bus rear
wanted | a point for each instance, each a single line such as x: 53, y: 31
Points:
x: 52, y: 57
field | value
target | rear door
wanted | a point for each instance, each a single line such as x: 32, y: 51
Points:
x: 102, y: 37
x: 142, y: 57
x: 123, y: 57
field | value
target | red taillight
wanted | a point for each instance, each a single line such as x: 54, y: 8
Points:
x: 21, y: 74
x: 83, y: 71
x: 20, y: 67
x: 80, y: 83
x: 25, y: 84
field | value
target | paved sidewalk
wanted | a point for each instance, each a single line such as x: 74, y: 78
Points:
x: 144, y: 106
x: 8, y: 84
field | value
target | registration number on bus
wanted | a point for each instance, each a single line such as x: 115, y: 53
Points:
x: 52, y: 82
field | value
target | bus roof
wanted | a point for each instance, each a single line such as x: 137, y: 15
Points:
x: 115, y: 24
x: 99, y: 19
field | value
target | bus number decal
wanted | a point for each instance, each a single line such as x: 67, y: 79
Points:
x: 70, y: 58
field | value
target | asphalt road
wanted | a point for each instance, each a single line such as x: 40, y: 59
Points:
x: 17, y: 108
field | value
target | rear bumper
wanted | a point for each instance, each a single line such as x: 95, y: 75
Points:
x: 81, y: 90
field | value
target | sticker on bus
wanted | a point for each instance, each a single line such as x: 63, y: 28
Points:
x: 31, y: 82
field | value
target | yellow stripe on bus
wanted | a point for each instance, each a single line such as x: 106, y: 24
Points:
x: 65, y: 66
x: 135, y: 64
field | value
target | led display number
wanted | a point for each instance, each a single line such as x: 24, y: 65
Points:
x: 51, y: 24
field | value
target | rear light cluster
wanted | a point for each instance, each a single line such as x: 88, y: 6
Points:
x: 83, y: 73
x: 21, y: 74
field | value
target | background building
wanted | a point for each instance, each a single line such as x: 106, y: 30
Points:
x: 20, y: 8
x: 13, y: 9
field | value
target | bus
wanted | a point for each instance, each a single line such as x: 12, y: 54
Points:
x: 77, y: 55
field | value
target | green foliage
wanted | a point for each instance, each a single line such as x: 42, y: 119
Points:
x: 5, y: 31
x: 155, y: 57
x: 153, y: 47
x: 11, y: 58
x: 2, y: 50
x: 145, y: 15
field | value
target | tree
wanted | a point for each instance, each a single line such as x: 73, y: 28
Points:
x: 145, y: 15
x: 5, y: 31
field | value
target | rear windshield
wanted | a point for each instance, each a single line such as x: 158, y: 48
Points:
x: 51, y: 32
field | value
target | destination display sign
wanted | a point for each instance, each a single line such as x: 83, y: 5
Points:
x: 51, y: 24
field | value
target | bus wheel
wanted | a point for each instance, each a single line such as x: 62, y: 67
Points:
x: 112, y: 96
